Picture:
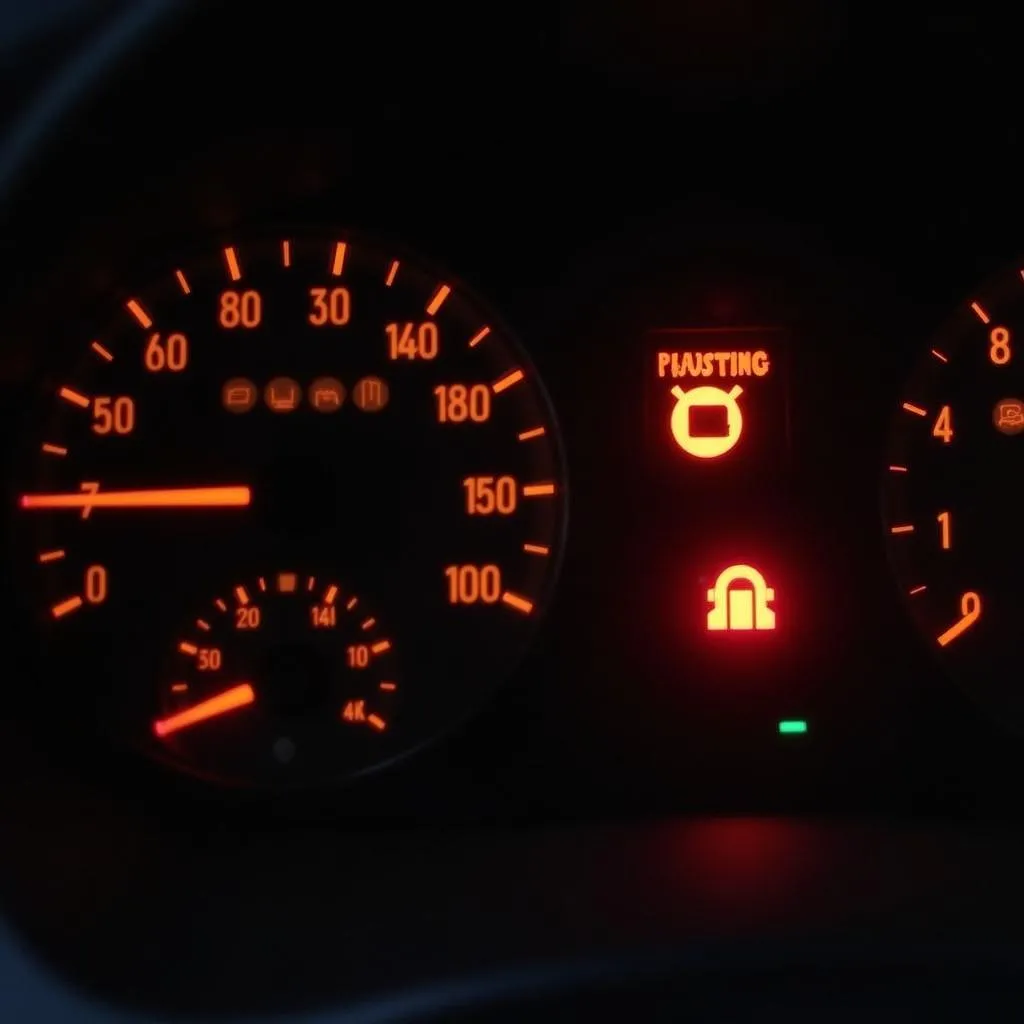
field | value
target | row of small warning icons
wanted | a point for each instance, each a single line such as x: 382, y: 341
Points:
x: 325, y: 394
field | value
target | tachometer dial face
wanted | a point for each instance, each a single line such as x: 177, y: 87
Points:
x: 277, y: 664
x: 283, y: 456
x: 951, y: 490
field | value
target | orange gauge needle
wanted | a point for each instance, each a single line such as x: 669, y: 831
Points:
x: 168, y: 497
x: 230, y: 700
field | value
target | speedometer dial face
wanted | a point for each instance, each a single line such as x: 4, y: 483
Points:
x: 297, y: 507
x: 951, y: 493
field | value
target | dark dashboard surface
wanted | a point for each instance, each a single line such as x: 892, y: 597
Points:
x: 608, y: 185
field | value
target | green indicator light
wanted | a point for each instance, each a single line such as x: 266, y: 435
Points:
x: 791, y: 726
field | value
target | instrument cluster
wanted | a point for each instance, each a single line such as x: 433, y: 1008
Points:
x: 426, y: 469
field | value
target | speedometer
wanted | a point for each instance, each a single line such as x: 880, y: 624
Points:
x: 297, y: 507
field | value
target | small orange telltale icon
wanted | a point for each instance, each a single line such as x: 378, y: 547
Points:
x: 283, y: 394
x: 1008, y: 415
x: 370, y: 394
x: 326, y: 394
x: 239, y: 394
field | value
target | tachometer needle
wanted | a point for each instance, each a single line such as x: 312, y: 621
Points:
x: 230, y: 700
x: 168, y: 497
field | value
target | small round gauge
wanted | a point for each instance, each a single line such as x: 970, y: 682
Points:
x: 272, y: 667
x: 284, y: 455
x: 950, y: 494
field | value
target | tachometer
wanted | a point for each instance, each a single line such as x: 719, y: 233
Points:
x: 298, y: 507
x: 950, y: 493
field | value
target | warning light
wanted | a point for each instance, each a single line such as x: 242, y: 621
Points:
x: 1008, y: 415
x: 370, y: 394
x: 716, y: 400
x: 326, y: 394
x: 707, y: 421
x: 739, y: 601
x: 239, y: 394
x: 283, y: 394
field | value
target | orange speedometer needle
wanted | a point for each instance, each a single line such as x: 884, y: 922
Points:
x: 165, y: 497
x: 229, y: 700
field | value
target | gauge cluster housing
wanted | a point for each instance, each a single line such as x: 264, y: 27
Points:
x: 555, y: 200
x: 615, y: 195
x: 628, y: 700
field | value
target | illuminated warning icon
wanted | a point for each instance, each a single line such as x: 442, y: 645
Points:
x: 239, y: 394
x: 707, y: 421
x: 370, y: 394
x: 739, y: 600
x: 283, y: 394
x: 1008, y: 415
x: 326, y: 394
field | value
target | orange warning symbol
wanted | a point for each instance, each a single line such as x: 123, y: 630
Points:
x: 707, y: 421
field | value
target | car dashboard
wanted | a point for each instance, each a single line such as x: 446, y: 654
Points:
x: 501, y: 501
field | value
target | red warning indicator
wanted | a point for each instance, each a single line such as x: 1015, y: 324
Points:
x: 741, y: 600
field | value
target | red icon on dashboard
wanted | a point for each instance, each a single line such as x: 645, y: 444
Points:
x: 740, y: 600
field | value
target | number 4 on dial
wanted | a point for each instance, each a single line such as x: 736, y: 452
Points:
x: 943, y: 428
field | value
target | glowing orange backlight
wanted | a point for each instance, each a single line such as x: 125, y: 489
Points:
x: 739, y: 601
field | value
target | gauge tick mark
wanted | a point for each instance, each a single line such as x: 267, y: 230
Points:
x: 338, y: 261
x: 516, y: 601
x: 136, y: 310
x: 437, y: 301
x: 509, y: 380
x: 66, y: 606
x: 74, y: 397
x: 231, y: 259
